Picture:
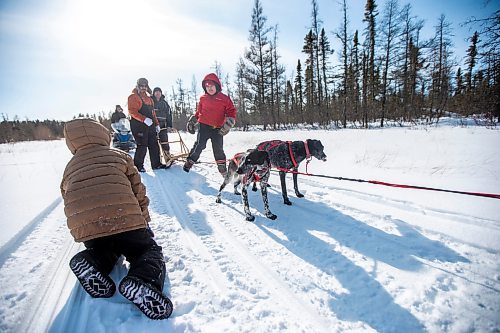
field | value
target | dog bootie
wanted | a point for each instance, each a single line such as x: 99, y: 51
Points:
x: 187, y: 166
x: 147, y: 298
x: 95, y: 283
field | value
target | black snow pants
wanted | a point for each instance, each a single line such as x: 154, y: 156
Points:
x: 138, y: 247
x: 204, y: 133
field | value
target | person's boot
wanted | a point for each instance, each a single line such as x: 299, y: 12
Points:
x: 222, y: 169
x: 161, y: 166
x: 187, y: 166
x: 146, y: 297
x: 95, y: 283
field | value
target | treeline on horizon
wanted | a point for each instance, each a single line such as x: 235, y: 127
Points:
x: 387, y: 73
x: 33, y: 130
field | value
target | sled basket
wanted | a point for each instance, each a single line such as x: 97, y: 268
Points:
x: 180, y: 153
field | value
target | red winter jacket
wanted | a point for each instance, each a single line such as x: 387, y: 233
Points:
x: 213, y: 109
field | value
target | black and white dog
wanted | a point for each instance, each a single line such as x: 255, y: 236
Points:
x: 244, y: 168
x: 287, y: 155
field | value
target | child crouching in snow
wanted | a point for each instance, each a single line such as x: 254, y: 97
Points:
x: 107, y: 209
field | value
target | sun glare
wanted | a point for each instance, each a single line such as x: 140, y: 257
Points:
x: 104, y: 36
x: 96, y: 33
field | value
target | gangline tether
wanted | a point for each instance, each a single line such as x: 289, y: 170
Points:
x: 377, y: 182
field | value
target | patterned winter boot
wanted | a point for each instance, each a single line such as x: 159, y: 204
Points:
x: 146, y: 297
x: 95, y: 283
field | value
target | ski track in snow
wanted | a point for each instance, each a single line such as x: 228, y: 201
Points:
x: 230, y: 265
x: 234, y: 266
x: 49, y: 240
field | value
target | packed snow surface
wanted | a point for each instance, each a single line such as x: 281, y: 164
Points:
x: 348, y: 257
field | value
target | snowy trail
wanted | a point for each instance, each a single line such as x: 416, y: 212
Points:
x: 445, y: 222
x: 9, y: 247
x: 42, y: 292
x: 346, y: 258
x: 282, y: 272
x: 230, y: 265
x: 52, y: 292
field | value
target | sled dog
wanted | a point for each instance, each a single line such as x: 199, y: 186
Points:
x: 287, y: 156
x: 244, y: 168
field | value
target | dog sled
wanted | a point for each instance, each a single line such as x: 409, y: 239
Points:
x: 168, y: 154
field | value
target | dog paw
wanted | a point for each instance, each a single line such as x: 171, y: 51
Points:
x: 287, y: 202
x: 299, y: 195
x: 218, y: 200
x: 250, y: 218
x: 271, y: 216
x: 254, y: 189
x: 237, y: 193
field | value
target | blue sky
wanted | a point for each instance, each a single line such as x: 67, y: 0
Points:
x: 60, y: 58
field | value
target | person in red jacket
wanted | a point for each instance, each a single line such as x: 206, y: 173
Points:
x: 216, y: 115
x: 144, y: 126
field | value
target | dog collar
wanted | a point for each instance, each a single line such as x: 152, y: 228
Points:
x: 256, y: 175
x: 236, y: 159
x: 249, y: 175
x: 308, y: 153
x: 295, y: 164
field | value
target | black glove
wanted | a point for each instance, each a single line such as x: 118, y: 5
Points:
x: 191, y: 124
x: 228, y: 124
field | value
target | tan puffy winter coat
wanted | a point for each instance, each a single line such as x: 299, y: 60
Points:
x: 102, y: 190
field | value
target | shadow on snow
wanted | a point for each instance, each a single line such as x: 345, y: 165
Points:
x: 366, y: 299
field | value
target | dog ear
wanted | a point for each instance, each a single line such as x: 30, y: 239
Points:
x: 263, y: 157
x: 251, y: 157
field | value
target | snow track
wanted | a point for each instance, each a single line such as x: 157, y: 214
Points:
x: 346, y: 258
x: 43, y: 282
x: 225, y: 253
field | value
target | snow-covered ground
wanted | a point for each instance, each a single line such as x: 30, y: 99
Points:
x: 348, y: 257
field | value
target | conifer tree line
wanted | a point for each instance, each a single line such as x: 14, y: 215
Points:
x: 385, y: 72
x: 33, y: 130
x: 30, y: 130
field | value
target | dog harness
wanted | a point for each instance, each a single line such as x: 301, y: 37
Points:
x: 248, y: 175
x: 257, y: 176
x: 236, y: 159
x: 268, y: 145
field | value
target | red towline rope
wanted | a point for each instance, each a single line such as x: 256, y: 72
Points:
x: 376, y: 182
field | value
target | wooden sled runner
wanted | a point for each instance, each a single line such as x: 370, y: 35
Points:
x: 173, y: 155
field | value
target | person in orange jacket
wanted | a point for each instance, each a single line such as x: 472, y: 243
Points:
x: 216, y: 115
x: 144, y: 126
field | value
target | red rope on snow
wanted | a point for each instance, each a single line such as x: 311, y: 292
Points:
x: 479, y: 194
x: 376, y: 182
